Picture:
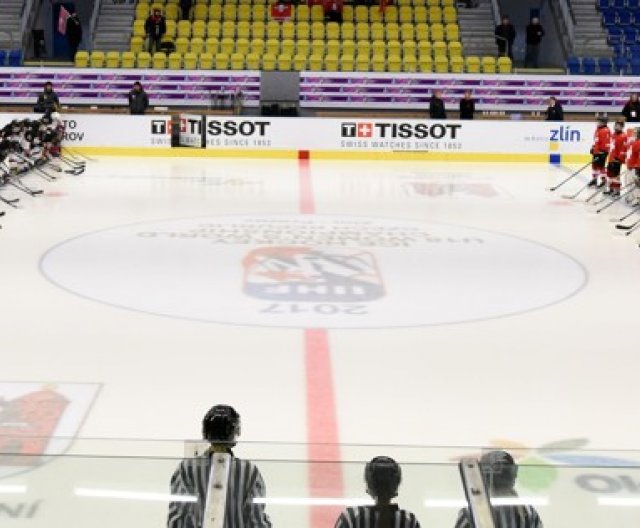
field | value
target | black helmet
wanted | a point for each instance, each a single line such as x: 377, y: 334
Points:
x: 383, y: 476
x: 603, y: 120
x: 221, y: 425
x: 499, y: 470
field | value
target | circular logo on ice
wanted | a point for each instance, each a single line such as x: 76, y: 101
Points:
x: 313, y: 271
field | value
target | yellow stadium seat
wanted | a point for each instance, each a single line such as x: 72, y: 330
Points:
x: 317, y: 13
x: 405, y: 15
x: 363, y: 47
x: 425, y: 64
x: 394, y: 63
x: 393, y: 47
x: 404, y: 3
x: 419, y: 3
x: 303, y: 30
x: 347, y: 13
x: 184, y: 29
x: 172, y: 12
x: 190, y: 60
x: 213, y: 28
x: 143, y: 59
x: 257, y: 30
x: 437, y: 32
x: 288, y: 47
x: 420, y: 15
x: 252, y: 61
x: 303, y: 47
x: 229, y: 12
x: 331, y: 62
x: 472, y: 64
x: 375, y: 15
x: 362, y: 31
x: 200, y: 12
x: 175, y: 61
x: 138, y: 28
x: 222, y: 61
x: 390, y: 14
x: 182, y: 44
x: 269, y: 62
x: 347, y: 62
x: 376, y: 30
x: 142, y: 10
x: 243, y: 29
x: 449, y: 15
x: 409, y: 64
x: 96, y: 59
x: 257, y: 46
x: 159, y: 60
x: 378, y: 63
x: 347, y: 31
x: 433, y: 3
x: 137, y: 44
x: 317, y: 47
x: 452, y: 31
x: 128, y: 59
x: 299, y: 62
x: 361, y: 14
x: 228, y: 29
x: 237, y: 61
x: 317, y: 30
x: 81, y: 59
x: 488, y: 65
x: 288, y: 30
x: 392, y: 31
x: 198, y: 29
x: 303, y: 13
x: 441, y: 64
x: 425, y: 48
x: 273, y: 46
x: 215, y: 12
x: 362, y: 62
x: 212, y: 45
x: 242, y: 46
x: 333, y: 30
x: 230, y: 2
x: 456, y: 64
x: 447, y: 3
x: 378, y: 47
x: 273, y: 30
x: 205, y: 62
x: 439, y: 48
x: 259, y: 13
x: 196, y: 45
x: 244, y: 13
x: 172, y: 29
x: 504, y: 65
x: 455, y: 49
x: 315, y: 62
x: 409, y: 48
x: 285, y: 62
x: 227, y: 45
x: 435, y: 15
x: 333, y: 47
x: 348, y: 47
x: 112, y: 59
x: 422, y: 32
x: 407, y: 32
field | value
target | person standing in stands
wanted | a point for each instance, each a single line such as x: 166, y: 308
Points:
x: 467, y: 106
x: 535, y: 32
x: 554, y: 110
x: 505, y: 35
x: 382, y: 476
x: 185, y: 9
x: 48, y: 101
x: 500, y: 471
x: 74, y: 34
x: 436, y: 106
x: 138, y: 100
x: 631, y: 110
x: 155, y: 27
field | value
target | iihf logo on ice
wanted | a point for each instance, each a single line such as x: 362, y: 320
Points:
x: 308, y: 274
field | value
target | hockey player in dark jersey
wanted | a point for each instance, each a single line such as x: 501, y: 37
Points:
x: 600, y: 151
x: 382, y: 476
x: 244, y: 483
x: 617, y: 157
x: 500, y: 471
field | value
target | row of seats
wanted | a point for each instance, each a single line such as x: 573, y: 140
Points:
x: 316, y: 13
x: 299, y: 62
x: 603, y: 66
x: 621, y: 17
x: 618, y: 4
x: 389, y: 47
x: 317, y: 30
x: 11, y: 57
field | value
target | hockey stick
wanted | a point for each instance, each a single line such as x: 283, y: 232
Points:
x: 576, y: 194
x: 633, y: 211
x: 72, y: 163
x: 22, y: 187
x: 616, y: 199
x: 588, y: 200
x: 633, y: 229
x: 569, y: 177
x: 627, y: 227
x: 34, y: 166
x: 10, y: 201
x: 80, y: 155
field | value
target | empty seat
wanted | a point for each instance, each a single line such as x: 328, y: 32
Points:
x: 112, y: 59
x: 488, y: 65
x: 128, y: 59
x: 285, y: 62
x: 222, y: 61
x: 81, y: 60
x: 504, y: 65
x: 143, y: 59
x: 96, y: 59
x: 473, y: 64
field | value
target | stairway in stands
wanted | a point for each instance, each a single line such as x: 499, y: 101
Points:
x: 10, y: 23
x: 476, y: 29
x: 590, y: 38
x: 114, y: 26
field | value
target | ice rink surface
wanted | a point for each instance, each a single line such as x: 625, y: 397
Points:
x: 378, y: 303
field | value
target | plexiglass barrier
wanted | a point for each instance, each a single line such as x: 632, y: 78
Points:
x: 127, y: 483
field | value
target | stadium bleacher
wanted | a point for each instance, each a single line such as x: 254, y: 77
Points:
x: 410, y: 36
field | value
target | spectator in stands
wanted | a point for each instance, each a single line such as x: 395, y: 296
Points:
x: 333, y: 11
x: 467, y: 106
x: 185, y: 9
x: 138, y: 100
x: 554, y: 110
x: 505, y: 35
x: 436, y: 106
x: 74, y: 34
x: 48, y: 101
x: 535, y: 32
x: 631, y: 110
x: 155, y: 27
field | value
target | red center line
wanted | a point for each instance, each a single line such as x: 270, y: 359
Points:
x: 325, y: 472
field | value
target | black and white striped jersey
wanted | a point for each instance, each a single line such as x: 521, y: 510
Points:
x: 245, y: 484
x: 520, y: 516
x: 366, y: 516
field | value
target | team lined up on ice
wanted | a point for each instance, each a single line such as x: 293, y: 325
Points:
x: 220, y: 490
x: 610, y: 152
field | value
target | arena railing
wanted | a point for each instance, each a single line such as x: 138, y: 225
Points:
x: 101, y: 482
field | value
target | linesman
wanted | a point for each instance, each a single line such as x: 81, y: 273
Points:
x: 221, y: 427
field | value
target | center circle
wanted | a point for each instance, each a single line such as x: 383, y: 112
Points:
x: 313, y: 271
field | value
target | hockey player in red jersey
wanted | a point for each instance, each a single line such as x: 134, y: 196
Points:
x: 633, y: 163
x: 618, y: 156
x: 600, y: 152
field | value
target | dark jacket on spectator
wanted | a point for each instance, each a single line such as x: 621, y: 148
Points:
x: 47, y: 102
x: 436, y: 108
x: 155, y: 26
x: 467, y: 108
x: 505, y: 31
x: 631, y: 111
x: 138, y: 102
x: 535, y: 32
x: 555, y: 112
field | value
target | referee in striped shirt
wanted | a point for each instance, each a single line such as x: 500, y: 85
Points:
x: 500, y: 472
x: 383, y: 477
x: 221, y: 427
